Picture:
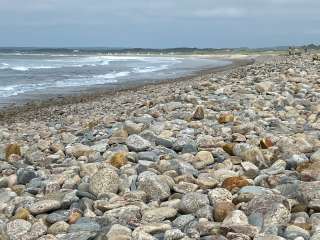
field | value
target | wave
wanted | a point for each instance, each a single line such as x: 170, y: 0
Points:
x: 83, y: 61
x: 150, y: 69
x: 14, y: 90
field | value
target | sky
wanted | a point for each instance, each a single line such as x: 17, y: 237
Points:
x: 159, y: 23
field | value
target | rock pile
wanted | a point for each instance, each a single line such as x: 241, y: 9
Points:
x: 231, y: 156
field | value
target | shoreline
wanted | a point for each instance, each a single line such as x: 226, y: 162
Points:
x: 7, y: 113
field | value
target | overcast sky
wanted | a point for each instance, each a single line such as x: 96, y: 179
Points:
x: 159, y: 23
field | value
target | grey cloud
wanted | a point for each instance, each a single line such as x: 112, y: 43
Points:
x: 165, y: 23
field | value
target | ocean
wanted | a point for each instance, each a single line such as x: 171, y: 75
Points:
x: 29, y: 73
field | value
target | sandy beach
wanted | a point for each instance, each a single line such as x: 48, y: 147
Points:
x: 228, y: 153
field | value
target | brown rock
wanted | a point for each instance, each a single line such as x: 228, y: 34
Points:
x: 12, y: 149
x: 266, y: 143
x: 119, y: 136
x: 228, y: 148
x: 22, y: 213
x: 233, y: 182
x: 305, y: 226
x: 119, y: 159
x: 73, y: 217
x: 199, y: 113
x: 309, y: 171
x: 222, y: 210
x: 226, y: 118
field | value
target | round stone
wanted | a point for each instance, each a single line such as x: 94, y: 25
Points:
x: 104, y: 181
x: 193, y: 201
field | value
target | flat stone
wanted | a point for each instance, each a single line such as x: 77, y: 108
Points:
x: 77, y: 150
x: 82, y: 235
x: 158, y: 214
x: 44, y: 206
x: 137, y: 144
x: 85, y: 224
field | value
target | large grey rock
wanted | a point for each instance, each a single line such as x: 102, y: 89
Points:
x: 85, y: 224
x: 219, y: 194
x: 293, y: 232
x: 158, y: 214
x: 137, y: 144
x: 104, y: 181
x: 154, y: 186
x: 44, y: 206
x: 17, y: 228
x: 24, y: 175
x: 268, y: 210
x: 192, y: 202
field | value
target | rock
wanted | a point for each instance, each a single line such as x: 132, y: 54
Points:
x: 22, y: 213
x: 74, y: 217
x: 158, y: 214
x: 24, y: 175
x: 199, y: 113
x: 77, y: 150
x: 228, y: 148
x: 236, y: 217
x: 56, y: 216
x: 153, y: 186
x: 137, y: 143
x: 119, y: 159
x: 192, y: 202
x: 48, y: 237
x: 173, y: 234
x: 17, y: 228
x: 293, y: 232
x: 278, y: 210
x: 226, y: 118
x: 82, y: 235
x: 263, y: 87
x: 266, y: 143
x: 104, y: 181
x: 85, y: 224
x: 120, y: 232
x: 123, y: 215
x: 205, y: 156
x: 315, y: 157
x: 250, y: 170
x: 133, y: 128
x: 308, y: 191
x: 268, y: 237
x: 309, y: 171
x: 222, y: 209
x: 58, y: 228
x: 118, y: 136
x: 181, y: 221
x: 12, y: 149
x: 250, y: 153
x: 234, y: 182
x: 219, y: 195
x: 44, y: 206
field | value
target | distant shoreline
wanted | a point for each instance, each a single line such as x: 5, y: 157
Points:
x: 9, y: 113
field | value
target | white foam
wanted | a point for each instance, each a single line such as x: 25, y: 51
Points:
x: 13, y: 90
x: 150, y: 69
